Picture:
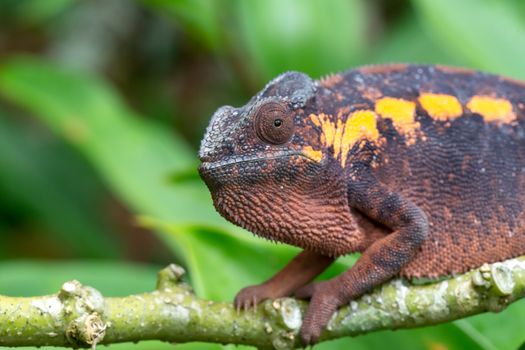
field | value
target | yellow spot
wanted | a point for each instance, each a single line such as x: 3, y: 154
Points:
x: 343, y: 135
x: 492, y: 109
x: 359, y: 125
x: 440, y: 106
x: 338, y: 136
x: 402, y: 113
x: 327, y: 125
x: 312, y: 154
x: 315, y: 119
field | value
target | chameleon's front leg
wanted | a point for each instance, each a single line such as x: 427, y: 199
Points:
x: 301, y: 270
x: 380, y: 262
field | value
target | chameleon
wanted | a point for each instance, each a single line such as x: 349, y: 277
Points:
x: 420, y: 168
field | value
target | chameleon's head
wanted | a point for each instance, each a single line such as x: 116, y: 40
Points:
x: 264, y: 167
x: 255, y: 139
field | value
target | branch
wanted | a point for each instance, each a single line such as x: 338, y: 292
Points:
x: 79, y: 316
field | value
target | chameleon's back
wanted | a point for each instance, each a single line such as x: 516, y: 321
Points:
x: 453, y: 142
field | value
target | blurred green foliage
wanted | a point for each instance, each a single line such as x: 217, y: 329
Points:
x: 103, y: 103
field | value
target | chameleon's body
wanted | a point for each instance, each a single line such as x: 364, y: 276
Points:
x: 420, y: 168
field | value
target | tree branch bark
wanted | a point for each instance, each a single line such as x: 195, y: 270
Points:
x: 79, y: 316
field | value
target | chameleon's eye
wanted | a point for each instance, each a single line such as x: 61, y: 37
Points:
x: 274, y: 122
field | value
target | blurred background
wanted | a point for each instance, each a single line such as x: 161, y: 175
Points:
x: 103, y: 104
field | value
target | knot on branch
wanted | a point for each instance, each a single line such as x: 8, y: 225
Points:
x: 86, y: 329
x: 497, y: 282
x: 84, y: 307
x: 497, y: 277
x: 169, y: 276
x: 288, y: 318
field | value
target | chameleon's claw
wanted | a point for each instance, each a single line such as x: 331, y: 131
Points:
x: 251, y: 296
x: 307, y: 340
x: 240, y: 303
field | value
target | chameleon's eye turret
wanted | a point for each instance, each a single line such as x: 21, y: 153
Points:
x: 274, y: 122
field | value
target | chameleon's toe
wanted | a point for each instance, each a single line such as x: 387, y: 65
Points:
x: 249, y: 297
x: 324, y: 302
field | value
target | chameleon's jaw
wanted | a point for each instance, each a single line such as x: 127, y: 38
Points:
x: 208, y: 164
x: 249, y: 168
x: 281, y: 167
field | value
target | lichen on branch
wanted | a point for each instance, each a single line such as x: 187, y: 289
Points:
x: 79, y: 316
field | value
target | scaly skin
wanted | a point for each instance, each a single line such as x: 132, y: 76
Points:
x: 419, y: 168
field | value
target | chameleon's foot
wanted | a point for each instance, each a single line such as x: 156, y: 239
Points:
x: 324, y: 301
x: 250, y: 296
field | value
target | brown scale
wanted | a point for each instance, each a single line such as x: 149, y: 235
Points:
x: 420, y: 168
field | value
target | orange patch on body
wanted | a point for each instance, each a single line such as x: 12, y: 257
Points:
x: 492, y: 109
x: 343, y: 135
x: 360, y: 125
x: 323, y: 121
x: 441, y: 106
x: 327, y: 126
x: 402, y: 113
x: 338, y: 136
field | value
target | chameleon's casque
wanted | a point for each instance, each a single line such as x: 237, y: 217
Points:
x: 420, y: 168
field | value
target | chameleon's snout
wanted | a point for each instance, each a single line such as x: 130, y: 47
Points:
x: 218, y: 138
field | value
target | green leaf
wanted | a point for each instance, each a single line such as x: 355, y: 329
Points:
x: 199, y: 17
x: 408, y: 42
x: 316, y: 37
x: 217, y: 258
x: 34, y: 11
x: 444, y: 336
x: 487, y: 34
x: 31, y: 278
x: 135, y: 156
x: 149, y: 167
x: 55, y: 189
x: 507, y: 334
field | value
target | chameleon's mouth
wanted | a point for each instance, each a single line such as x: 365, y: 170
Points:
x: 207, y: 166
